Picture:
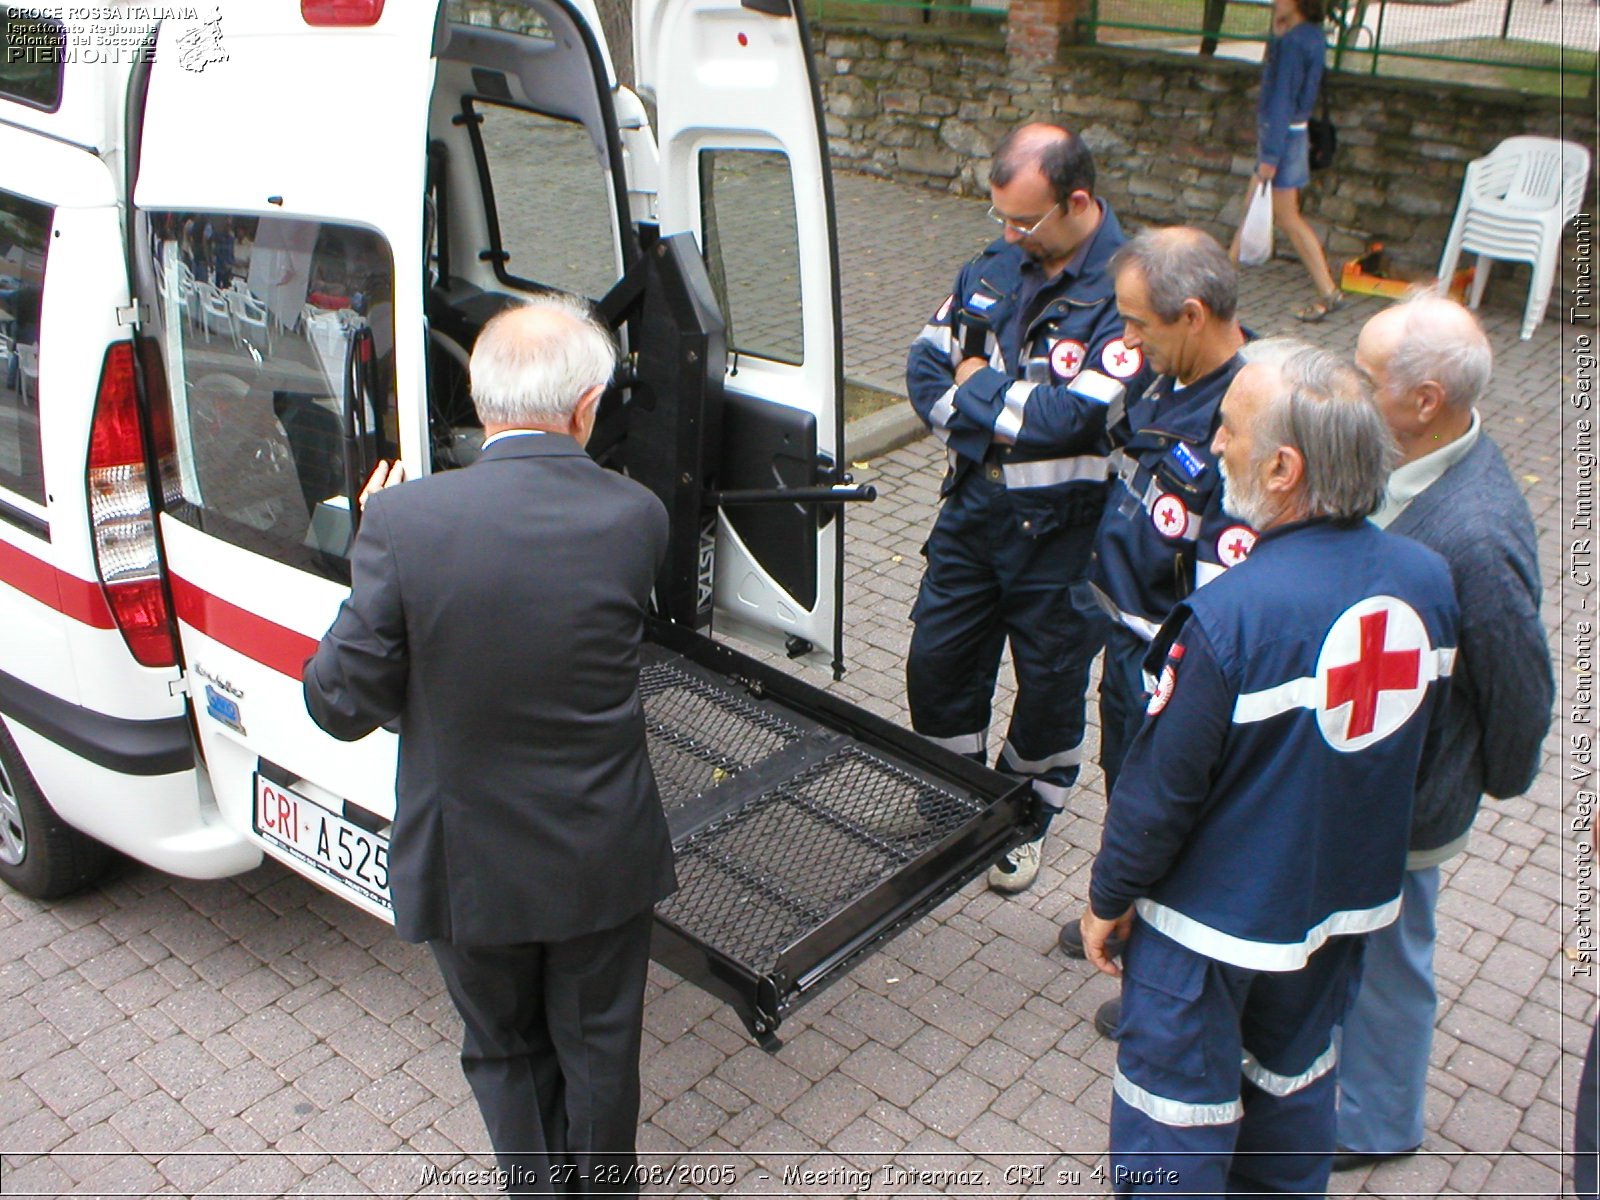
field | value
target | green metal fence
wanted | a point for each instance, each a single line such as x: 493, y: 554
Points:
x: 1539, y: 46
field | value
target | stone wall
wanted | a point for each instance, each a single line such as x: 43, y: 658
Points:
x: 1173, y: 137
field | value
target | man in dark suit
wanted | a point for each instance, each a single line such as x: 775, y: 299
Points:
x: 496, y: 613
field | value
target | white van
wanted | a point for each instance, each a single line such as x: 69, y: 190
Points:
x: 246, y: 249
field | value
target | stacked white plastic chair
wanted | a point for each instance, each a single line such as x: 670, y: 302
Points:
x: 1514, y: 204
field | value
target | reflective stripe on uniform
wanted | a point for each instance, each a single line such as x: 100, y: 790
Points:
x: 1287, y: 1085
x: 1046, y: 472
x: 1053, y: 795
x: 1263, y: 956
x: 1205, y: 572
x: 1038, y: 766
x: 943, y: 340
x: 1128, y: 470
x: 1304, y: 692
x: 943, y: 409
x: 1008, y: 421
x: 1092, y: 385
x: 1181, y: 1114
x: 963, y: 743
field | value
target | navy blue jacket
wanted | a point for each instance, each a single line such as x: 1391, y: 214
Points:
x: 1266, y: 804
x: 1050, y: 377
x: 1164, y: 532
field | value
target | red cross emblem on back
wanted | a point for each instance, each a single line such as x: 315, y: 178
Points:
x: 1370, y: 672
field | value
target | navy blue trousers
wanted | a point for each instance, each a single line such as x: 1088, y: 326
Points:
x: 1122, y: 698
x: 1225, y: 1080
x: 1004, y: 565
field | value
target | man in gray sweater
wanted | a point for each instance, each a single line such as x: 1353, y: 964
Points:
x: 1430, y: 362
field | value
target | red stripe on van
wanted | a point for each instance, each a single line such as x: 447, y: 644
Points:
x: 268, y: 643
x: 77, y: 598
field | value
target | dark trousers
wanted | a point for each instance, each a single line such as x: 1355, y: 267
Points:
x: 1186, y: 1117
x: 1123, y: 699
x: 551, y: 1051
x: 989, y: 580
x: 1585, y: 1136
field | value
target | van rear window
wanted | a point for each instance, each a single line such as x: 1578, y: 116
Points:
x: 24, y: 238
x: 31, y: 44
x: 278, y: 341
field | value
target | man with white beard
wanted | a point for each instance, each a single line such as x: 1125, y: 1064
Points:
x: 1261, y: 818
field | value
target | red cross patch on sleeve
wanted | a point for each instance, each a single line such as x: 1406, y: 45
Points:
x: 1166, y: 684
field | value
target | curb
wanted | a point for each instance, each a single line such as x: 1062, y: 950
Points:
x: 876, y: 434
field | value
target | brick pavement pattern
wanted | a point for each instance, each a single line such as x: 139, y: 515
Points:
x: 256, y: 1036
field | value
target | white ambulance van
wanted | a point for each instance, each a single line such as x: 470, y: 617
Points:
x: 244, y: 251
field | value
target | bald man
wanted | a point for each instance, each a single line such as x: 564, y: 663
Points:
x: 1430, y: 363
x: 1015, y: 373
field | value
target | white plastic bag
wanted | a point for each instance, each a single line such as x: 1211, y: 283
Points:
x: 1255, y: 235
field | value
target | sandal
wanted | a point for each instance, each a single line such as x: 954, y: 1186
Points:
x: 1312, y: 313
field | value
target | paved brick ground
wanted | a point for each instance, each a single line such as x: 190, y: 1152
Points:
x: 255, y: 1036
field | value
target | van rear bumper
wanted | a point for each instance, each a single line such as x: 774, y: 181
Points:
x: 129, y: 747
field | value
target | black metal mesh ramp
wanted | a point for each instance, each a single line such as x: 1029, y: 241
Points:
x: 757, y: 880
x: 702, y: 734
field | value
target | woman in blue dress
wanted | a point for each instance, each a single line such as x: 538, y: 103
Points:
x: 1290, y: 79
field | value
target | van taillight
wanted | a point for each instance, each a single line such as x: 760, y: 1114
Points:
x: 341, y: 12
x: 119, y: 513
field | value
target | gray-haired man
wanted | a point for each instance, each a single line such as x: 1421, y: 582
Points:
x: 1262, y: 813
x: 497, y: 613
x: 1163, y: 533
x: 1430, y: 362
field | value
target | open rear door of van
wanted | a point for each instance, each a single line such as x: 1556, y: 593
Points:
x: 278, y: 241
x: 744, y: 169
x: 808, y: 831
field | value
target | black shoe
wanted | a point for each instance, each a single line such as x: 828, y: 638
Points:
x: 1071, y: 941
x: 1107, y: 1017
x: 1350, y: 1160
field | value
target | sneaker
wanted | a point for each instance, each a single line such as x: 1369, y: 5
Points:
x: 1107, y: 1017
x: 1017, y: 870
x: 1071, y: 941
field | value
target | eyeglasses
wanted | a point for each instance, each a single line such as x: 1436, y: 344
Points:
x: 1016, y: 226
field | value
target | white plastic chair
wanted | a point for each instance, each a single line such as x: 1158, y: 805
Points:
x: 214, y: 314
x: 28, y: 367
x: 249, y: 318
x: 1514, y: 204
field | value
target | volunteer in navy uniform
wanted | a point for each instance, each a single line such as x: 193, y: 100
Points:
x: 1261, y: 818
x: 1014, y: 374
x: 1429, y: 363
x: 1164, y: 532
x: 497, y: 613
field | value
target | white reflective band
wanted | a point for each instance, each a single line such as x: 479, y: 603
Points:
x: 1080, y: 468
x: 1122, y: 466
x: 1263, y: 956
x: 1147, y: 630
x: 963, y: 743
x: 942, y: 340
x: 1303, y: 692
x: 1092, y: 385
x: 1298, y: 125
x: 1180, y: 1114
x: 1287, y: 1085
x: 1008, y: 421
x: 1274, y: 701
x: 1053, y: 794
x: 1025, y: 766
x: 1205, y: 572
x: 940, y: 432
x: 943, y: 409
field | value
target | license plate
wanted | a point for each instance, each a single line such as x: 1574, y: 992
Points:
x: 323, y: 840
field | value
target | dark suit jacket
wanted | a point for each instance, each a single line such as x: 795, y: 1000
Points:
x: 497, y: 613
